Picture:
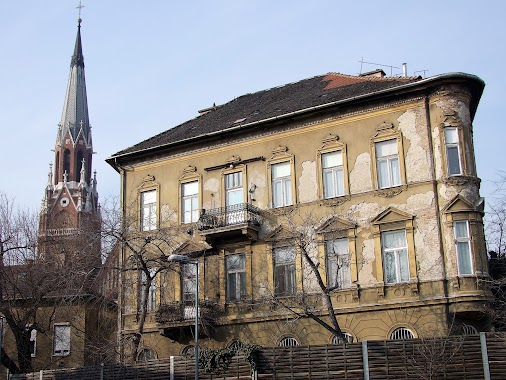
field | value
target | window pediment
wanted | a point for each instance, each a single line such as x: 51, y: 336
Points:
x: 334, y: 224
x: 458, y: 204
x: 148, y: 182
x: 280, y: 233
x: 451, y: 119
x: 392, y: 215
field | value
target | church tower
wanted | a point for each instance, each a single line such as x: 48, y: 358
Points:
x: 70, y: 212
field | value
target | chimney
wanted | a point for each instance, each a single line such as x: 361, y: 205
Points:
x: 404, y: 70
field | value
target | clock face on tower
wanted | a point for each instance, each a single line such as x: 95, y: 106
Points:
x: 64, y: 202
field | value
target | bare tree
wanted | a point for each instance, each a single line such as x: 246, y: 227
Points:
x: 144, y: 256
x: 319, y: 305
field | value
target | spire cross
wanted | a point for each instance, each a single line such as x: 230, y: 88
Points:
x: 80, y: 7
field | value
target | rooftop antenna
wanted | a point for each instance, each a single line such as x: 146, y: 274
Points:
x: 421, y: 71
x: 377, y: 64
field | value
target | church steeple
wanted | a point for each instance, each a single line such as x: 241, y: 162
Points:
x: 70, y: 204
x: 73, y: 140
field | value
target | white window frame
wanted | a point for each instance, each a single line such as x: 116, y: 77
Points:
x: 188, y: 277
x: 33, y: 338
x: 396, y: 251
x: 285, y: 182
x: 452, y: 145
x: 338, y: 264
x: 233, y: 186
x: 289, y: 272
x: 463, y: 240
x: 389, y: 159
x: 61, y: 339
x: 148, y: 211
x: 192, y: 214
x: 238, y: 285
x: 288, y: 341
x: 151, y: 304
x: 336, y: 186
x: 402, y: 333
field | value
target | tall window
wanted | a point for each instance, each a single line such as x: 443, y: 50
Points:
x: 284, y: 271
x: 188, y: 282
x: 395, y: 256
x: 143, y: 282
x: 281, y: 184
x: 61, y: 339
x: 387, y: 161
x: 333, y: 177
x: 148, y: 210
x: 452, y: 151
x: 236, y: 277
x: 190, y: 202
x: 66, y: 162
x: 79, y: 164
x: 33, y: 343
x: 233, y: 189
x: 463, y: 245
x: 338, y: 263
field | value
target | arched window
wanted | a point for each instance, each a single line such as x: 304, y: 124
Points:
x: 57, y: 176
x: 402, y: 333
x: 469, y: 330
x: 288, y: 342
x: 348, y: 338
x: 79, y: 163
x: 146, y: 354
x: 66, y: 162
x: 188, y: 351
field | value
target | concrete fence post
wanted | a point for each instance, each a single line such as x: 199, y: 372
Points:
x: 171, y: 368
x: 484, y: 356
x: 365, y: 360
x: 101, y: 371
x: 41, y: 374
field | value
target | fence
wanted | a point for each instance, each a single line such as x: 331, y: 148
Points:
x: 455, y: 358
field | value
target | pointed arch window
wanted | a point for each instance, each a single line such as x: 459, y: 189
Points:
x: 66, y: 161
x: 79, y: 163
x: 57, y: 169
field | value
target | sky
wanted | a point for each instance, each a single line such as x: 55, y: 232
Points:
x: 152, y: 64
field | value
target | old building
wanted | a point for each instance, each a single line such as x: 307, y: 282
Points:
x: 378, y: 171
x: 54, y: 298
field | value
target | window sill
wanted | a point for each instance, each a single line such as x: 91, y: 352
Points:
x: 390, y: 192
x: 460, y: 179
x: 335, y: 201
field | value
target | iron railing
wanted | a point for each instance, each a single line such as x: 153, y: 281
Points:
x: 229, y: 216
x: 177, y: 312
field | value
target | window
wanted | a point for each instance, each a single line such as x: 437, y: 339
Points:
x: 333, y: 176
x: 395, y: 256
x: 79, y: 165
x: 387, y: 161
x: 146, y: 354
x: 288, y: 342
x: 281, y: 184
x: 348, y: 338
x: 284, y: 271
x: 463, y: 246
x: 452, y: 151
x: 338, y: 263
x: 190, y: 202
x: 66, y: 162
x: 234, y: 194
x: 151, y: 303
x: 33, y: 342
x: 469, y: 330
x: 61, y: 339
x: 402, y: 333
x: 236, y: 277
x: 188, y: 351
x: 189, y: 282
x: 148, y: 210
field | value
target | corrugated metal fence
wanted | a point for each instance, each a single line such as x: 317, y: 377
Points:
x: 455, y: 358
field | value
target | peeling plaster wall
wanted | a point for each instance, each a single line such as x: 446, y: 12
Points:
x: 308, y: 187
x: 260, y: 194
x: 213, y: 186
x: 366, y: 274
x: 167, y: 214
x: 413, y: 127
x: 360, y: 176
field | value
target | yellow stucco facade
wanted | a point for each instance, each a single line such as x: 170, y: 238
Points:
x: 375, y: 179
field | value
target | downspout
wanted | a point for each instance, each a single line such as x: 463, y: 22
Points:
x: 436, y: 199
x: 121, y: 293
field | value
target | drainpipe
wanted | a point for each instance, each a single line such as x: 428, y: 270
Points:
x: 121, y: 277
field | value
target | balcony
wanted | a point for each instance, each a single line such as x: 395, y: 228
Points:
x: 232, y: 222
x: 176, y: 320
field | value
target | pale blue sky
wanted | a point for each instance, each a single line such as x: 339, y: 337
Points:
x: 150, y: 65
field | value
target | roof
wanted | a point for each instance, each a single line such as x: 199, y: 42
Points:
x: 299, y: 97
